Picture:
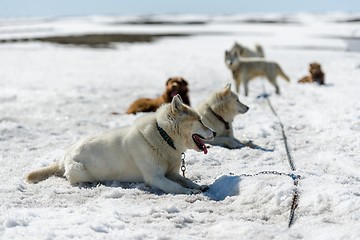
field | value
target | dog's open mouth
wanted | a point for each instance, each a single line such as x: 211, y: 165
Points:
x: 174, y: 92
x: 199, y: 142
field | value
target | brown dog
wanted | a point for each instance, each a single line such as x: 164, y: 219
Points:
x: 174, y: 85
x: 316, y: 75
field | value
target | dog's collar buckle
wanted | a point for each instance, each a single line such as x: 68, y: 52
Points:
x: 221, y: 119
x: 165, y: 136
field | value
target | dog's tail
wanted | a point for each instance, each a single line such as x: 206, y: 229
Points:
x: 260, y: 50
x: 281, y: 73
x: 45, y: 172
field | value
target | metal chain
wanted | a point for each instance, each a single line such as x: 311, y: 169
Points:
x: 265, y: 172
x: 295, y: 179
x: 294, y: 203
x: 287, y: 148
x: 183, y: 167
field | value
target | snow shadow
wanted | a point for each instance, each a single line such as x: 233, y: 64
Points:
x: 225, y: 186
x: 123, y: 185
x: 263, y: 95
x: 252, y: 145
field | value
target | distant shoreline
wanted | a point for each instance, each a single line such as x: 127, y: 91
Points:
x: 94, y: 40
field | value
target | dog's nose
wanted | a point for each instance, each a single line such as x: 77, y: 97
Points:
x: 214, y: 134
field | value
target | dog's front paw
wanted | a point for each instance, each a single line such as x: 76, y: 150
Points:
x: 204, y: 188
x: 194, y: 191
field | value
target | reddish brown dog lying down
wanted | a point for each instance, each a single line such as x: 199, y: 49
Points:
x: 316, y: 74
x: 174, y: 85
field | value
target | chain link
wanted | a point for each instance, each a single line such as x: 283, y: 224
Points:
x: 293, y: 176
x: 183, y: 167
x: 265, y: 173
x: 294, y: 204
x: 295, y: 179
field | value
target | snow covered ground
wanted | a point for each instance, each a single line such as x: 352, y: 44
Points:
x: 52, y: 95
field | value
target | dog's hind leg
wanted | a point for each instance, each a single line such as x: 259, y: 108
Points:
x: 272, y: 80
x: 77, y: 173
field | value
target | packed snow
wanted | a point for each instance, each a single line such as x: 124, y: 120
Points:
x: 52, y: 95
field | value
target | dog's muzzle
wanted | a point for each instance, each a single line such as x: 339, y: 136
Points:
x: 214, y: 135
x: 228, y: 62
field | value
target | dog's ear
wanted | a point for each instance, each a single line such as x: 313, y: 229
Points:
x: 226, y: 91
x: 184, y: 81
x: 179, y: 96
x: 242, y: 50
x: 167, y: 82
x: 177, y: 103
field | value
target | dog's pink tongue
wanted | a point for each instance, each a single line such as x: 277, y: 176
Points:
x: 203, y: 147
x: 173, y: 93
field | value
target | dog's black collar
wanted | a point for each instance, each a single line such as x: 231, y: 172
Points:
x: 165, y: 136
x: 221, y: 119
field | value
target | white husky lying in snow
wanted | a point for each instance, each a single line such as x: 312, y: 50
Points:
x: 218, y: 112
x: 148, y: 151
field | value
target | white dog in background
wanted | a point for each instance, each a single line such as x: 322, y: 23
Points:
x: 148, y: 151
x: 246, y: 69
x: 218, y: 112
x: 246, y: 52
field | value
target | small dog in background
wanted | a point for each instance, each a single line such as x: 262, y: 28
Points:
x: 316, y: 75
x: 174, y: 86
x: 246, y: 52
x: 246, y: 69
x: 218, y: 112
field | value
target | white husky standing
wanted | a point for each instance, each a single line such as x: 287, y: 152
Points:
x: 148, y: 151
x: 218, y: 112
x: 246, y: 69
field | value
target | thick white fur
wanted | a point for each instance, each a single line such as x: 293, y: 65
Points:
x: 226, y: 104
x: 245, y: 69
x: 135, y: 153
